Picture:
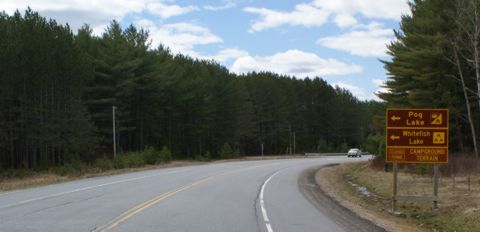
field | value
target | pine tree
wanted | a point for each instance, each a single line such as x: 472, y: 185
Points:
x: 419, y: 73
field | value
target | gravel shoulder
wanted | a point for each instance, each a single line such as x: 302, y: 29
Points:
x: 330, y: 206
x: 327, y: 190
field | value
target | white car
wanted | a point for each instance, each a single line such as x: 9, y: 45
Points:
x: 354, y: 152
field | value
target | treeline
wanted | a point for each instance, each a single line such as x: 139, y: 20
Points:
x: 58, y: 89
x: 435, y: 64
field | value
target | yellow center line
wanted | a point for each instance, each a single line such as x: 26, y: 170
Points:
x: 139, y: 208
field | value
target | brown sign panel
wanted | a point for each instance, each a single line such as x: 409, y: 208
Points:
x: 417, y: 135
x: 417, y: 155
x: 431, y: 118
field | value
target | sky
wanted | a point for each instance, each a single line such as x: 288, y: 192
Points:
x: 341, y: 41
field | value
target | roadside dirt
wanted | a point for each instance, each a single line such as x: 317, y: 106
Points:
x: 329, y: 183
x: 339, y: 212
x: 367, y: 192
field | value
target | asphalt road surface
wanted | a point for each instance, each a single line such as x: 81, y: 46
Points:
x: 232, y: 196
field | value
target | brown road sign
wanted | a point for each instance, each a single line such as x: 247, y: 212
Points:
x: 424, y: 118
x: 417, y: 135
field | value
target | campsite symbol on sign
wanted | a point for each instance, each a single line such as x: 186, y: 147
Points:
x: 438, y: 137
x: 436, y: 119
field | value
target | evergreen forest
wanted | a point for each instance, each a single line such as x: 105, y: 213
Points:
x: 59, y: 88
x: 436, y: 64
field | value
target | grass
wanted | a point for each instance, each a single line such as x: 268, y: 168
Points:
x: 459, y: 198
x: 34, y: 180
x: 75, y: 169
x: 52, y: 176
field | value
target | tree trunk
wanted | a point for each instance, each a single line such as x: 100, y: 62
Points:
x: 475, y: 39
x: 467, y: 102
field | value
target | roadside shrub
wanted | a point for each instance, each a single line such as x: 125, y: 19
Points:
x: 118, y: 163
x: 74, y: 163
x: 43, y: 165
x: 375, y: 144
x: 64, y: 170
x: 150, y: 155
x: 207, y: 156
x: 236, y: 153
x: 461, y: 164
x: 323, y: 146
x: 165, y: 155
x: 70, y: 158
x: 153, y: 156
x: 226, y: 152
x: 103, y: 164
x: 135, y: 160
x: 128, y: 160
x: 343, y: 147
x: 423, y: 169
x: 204, y: 157
x: 17, y: 173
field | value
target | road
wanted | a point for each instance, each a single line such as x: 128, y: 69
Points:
x: 231, y: 196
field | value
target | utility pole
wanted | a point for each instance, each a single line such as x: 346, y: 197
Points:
x: 289, y: 139
x: 294, y: 145
x: 435, y: 186
x: 262, y: 149
x: 114, y: 134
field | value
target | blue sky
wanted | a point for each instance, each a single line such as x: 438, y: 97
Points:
x: 338, y: 40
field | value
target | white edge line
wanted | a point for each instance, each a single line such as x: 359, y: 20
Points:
x: 83, y: 189
x: 262, y: 203
x: 269, y: 227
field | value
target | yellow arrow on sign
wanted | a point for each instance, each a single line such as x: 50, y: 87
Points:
x: 393, y: 137
x: 395, y: 118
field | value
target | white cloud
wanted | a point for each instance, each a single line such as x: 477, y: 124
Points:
x: 99, y: 28
x: 345, y: 20
x: 105, y: 7
x: 227, y: 54
x: 361, y: 93
x: 384, y: 9
x: 169, y: 10
x: 96, y: 13
x: 318, y: 12
x: 379, y: 88
x: 370, y: 42
x: 378, y: 82
x: 370, y: 26
x: 355, y: 90
x: 78, y: 12
x: 182, y: 37
x: 296, y: 63
x: 144, y: 23
x: 227, y: 5
x: 304, y: 14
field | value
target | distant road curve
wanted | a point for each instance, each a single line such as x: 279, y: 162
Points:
x: 261, y: 195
